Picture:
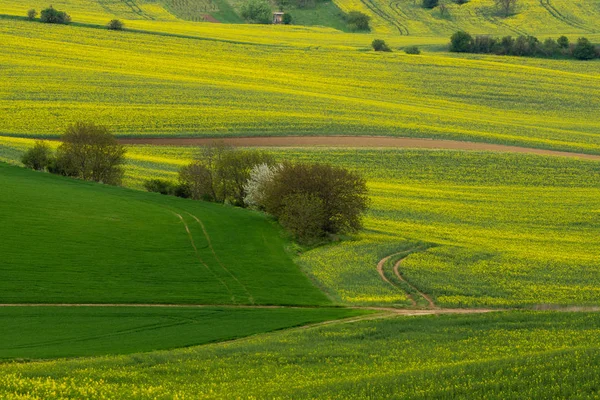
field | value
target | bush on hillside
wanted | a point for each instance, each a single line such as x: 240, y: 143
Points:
x: 584, y: 50
x: 358, y: 21
x: 303, y: 215
x: 412, y: 50
x: 380, y: 45
x: 32, y: 14
x: 91, y: 153
x: 161, y: 186
x: 342, y: 193
x: 38, y: 157
x: 257, y: 12
x: 461, y: 42
x: 287, y: 18
x: 506, y: 7
x: 430, y: 3
x: 52, y: 16
x: 115, y: 25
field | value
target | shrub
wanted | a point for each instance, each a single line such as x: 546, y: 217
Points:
x: 161, y: 186
x: 506, y: 7
x: 53, y: 16
x: 342, y: 193
x: 430, y: 3
x: 563, y: 42
x: 303, y: 215
x: 358, y: 21
x: 287, y: 18
x: 461, y: 42
x: 90, y: 152
x: 257, y: 12
x: 412, y: 50
x: 38, y: 157
x: 584, y: 50
x: 31, y: 14
x: 198, y: 180
x: 550, y: 47
x: 260, y: 177
x: 115, y: 25
x: 484, y: 44
x: 379, y: 45
x: 461, y: 2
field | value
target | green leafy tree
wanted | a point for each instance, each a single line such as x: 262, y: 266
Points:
x: 90, y: 152
x: 38, y: 157
x: 287, y: 18
x: 584, y: 50
x: 303, y: 215
x: 358, y: 21
x: 32, y: 14
x: 563, y: 42
x: 257, y: 12
x: 52, y: 16
x: 115, y: 25
x: 461, y: 42
x: 430, y: 3
x: 380, y: 45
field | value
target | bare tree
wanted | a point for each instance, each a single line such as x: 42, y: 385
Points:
x: 506, y: 7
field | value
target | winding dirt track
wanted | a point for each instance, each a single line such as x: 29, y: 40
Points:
x: 353, y: 141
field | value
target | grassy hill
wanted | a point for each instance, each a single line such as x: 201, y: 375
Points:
x: 505, y: 355
x: 67, y: 241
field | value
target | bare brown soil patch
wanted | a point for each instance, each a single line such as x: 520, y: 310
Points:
x: 353, y: 141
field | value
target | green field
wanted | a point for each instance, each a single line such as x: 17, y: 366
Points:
x: 67, y: 241
x: 51, y: 332
x: 495, y: 356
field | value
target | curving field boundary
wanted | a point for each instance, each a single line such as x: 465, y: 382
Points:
x: 353, y: 141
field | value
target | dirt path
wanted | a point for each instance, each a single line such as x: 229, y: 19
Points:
x: 399, y: 276
x: 380, y: 265
x: 353, y: 141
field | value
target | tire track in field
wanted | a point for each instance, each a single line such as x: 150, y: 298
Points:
x: 559, y: 16
x: 380, y: 265
x: 389, y: 19
x: 210, y: 246
x: 423, y: 295
x: 189, y: 233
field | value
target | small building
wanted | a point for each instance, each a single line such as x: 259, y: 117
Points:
x: 278, y: 17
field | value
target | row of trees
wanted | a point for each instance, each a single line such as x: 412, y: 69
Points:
x: 529, y: 46
x: 86, y: 152
x: 309, y: 200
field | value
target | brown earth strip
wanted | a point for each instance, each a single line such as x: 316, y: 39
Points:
x: 380, y: 265
x: 353, y: 141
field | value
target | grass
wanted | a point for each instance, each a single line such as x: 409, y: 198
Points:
x: 67, y: 241
x: 300, y: 81
x: 499, y: 356
x: 52, y: 332
x: 501, y: 229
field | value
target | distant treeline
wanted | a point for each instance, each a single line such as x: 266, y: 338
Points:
x: 527, y: 46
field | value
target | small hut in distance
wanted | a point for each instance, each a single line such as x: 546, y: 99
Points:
x: 278, y: 17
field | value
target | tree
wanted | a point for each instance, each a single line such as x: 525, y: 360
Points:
x: 358, y: 21
x: 303, y: 215
x: 506, y: 7
x: 31, y: 14
x: 379, y: 45
x: 343, y: 194
x: 412, y: 50
x: 260, y: 177
x: 563, y: 42
x: 161, y: 186
x: 197, y: 179
x: 584, y: 50
x: 461, y: 42
x: 38, y: 157
x: 115, y: 25
x: 53, y: 16
x: 90, y: 152
x: 430, y: 3
x: 257, y: 12
x: 287, y: 18
x: 550, y: 47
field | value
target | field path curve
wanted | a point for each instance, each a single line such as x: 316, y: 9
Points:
x: 423, y: 295
x: 353, y: 141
